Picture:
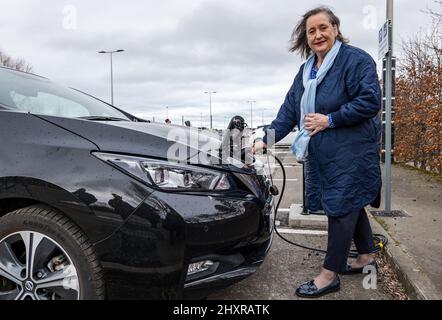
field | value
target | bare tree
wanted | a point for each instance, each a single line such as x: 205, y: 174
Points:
x: 435, y: 14
x: 418, y: 111
x: 18, y: 64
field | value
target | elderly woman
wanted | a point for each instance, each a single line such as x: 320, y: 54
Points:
x: 335, y: 100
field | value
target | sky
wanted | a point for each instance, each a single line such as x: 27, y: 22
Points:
x: 177, y: 50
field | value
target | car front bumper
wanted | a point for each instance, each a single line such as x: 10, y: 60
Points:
x: 149, y: 256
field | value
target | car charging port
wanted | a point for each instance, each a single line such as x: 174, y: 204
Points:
x: 274, y: 191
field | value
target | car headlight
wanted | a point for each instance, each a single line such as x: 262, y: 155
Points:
x: 167, y: 175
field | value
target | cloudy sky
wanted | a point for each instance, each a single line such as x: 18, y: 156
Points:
x: 176, y: 50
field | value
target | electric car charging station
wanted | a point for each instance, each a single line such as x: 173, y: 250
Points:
x: 108, y: 197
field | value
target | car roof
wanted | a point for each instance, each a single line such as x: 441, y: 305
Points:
x: 19, y: 72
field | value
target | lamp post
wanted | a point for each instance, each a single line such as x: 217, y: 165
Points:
x: 210, y: 105
x: 112, y: 71
x: 251, y: 112
x: 388, y: 109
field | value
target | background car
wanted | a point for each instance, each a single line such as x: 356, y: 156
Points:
x: 91, y: 208
x: 259, y: 133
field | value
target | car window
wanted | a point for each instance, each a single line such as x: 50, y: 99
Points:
x: 40, y: 96
x: 49, y: 104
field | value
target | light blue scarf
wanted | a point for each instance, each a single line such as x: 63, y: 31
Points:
x: 308, y: 101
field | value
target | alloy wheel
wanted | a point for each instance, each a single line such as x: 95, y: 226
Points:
x: 35, y: 267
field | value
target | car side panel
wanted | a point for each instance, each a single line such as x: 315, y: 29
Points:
x: 146, y: 260
x: 46, y: 163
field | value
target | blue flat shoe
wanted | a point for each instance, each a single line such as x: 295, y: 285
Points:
x: 350, y: 270
x: 309, y: 289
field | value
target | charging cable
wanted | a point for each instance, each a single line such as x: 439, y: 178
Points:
x: 380, y: 241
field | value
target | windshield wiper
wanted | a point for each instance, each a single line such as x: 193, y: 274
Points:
x: 102, y: 118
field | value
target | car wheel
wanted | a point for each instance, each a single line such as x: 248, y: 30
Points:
x: 45, y: 256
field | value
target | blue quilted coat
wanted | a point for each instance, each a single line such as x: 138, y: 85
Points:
x: 348, y: 156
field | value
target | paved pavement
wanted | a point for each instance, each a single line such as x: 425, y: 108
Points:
x: 418, y: 236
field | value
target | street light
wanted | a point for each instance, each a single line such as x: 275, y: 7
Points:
x: 112, y: 72
x: 251, y: 112
x: 210, y: 95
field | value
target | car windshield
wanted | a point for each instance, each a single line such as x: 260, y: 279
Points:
x: 30, y: 93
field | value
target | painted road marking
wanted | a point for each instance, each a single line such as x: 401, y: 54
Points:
x: 302, y: 231
x: 284, y: 166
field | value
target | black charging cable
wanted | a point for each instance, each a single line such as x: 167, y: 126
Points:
x: 380, y: 241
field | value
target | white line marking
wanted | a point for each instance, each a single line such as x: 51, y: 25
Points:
x: 288, y: 180
x: 301, y: 231
x: 284, y: 210
x: 284, y: 166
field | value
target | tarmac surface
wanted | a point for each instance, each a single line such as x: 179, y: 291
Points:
x: 286, y: 267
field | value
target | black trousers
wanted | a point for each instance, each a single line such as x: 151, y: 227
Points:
x: 341, y: 231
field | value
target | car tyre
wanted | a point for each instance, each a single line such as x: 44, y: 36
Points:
x: 45, y: 256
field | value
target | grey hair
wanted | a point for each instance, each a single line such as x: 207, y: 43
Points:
x: 298, y: 41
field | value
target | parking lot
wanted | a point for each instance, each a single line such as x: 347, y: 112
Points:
x: 288, y: 266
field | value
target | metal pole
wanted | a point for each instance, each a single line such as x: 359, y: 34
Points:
x: 112, y: 71
x: 251, y: 112
x: 210, y: 105
x: 112, y: 80
x: 390, y: 16
x: 388, y: 107
x: 304, y: 207
x: 211, y: 120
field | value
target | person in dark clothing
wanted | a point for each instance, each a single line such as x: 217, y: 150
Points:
x: 312, y: 187
x: 335, y: 101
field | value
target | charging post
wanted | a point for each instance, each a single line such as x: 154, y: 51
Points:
x: 304, y: 204
x: 386, y: 53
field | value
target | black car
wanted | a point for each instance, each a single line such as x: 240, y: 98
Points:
x: 91, y: 207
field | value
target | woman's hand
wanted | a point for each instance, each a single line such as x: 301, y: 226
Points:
x: 258, y: 146
x: 316, y: 122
